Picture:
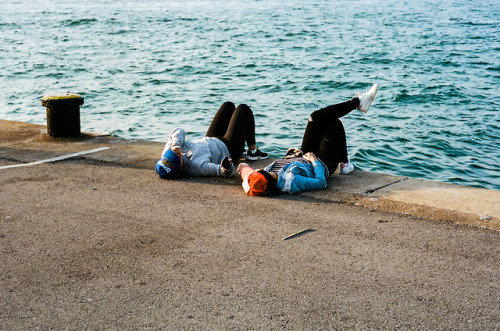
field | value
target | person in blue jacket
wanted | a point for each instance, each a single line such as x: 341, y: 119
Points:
x: 323, y: 149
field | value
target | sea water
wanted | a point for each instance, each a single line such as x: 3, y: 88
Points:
x: 146, y: 67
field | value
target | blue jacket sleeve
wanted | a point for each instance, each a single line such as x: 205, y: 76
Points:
x: 317, y: 183
x: 300, y: 177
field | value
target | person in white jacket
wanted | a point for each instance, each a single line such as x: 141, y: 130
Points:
x: 212, y: 155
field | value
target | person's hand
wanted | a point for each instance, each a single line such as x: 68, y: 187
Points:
x: 226, y: 165
x: 241, y: 166
x: 177, y: 150
x: 310, y: 157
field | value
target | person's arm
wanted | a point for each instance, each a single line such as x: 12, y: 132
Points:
x: 206, y: 168
x: 319, y: 181
x: 175, y: 141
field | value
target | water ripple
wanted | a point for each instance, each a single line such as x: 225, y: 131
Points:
x: 146, y: 67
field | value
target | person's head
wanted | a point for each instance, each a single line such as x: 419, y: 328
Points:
x: 257, y: 182
x: 169, y: 166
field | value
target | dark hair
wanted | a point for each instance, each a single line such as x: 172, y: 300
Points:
x: 272, y: 189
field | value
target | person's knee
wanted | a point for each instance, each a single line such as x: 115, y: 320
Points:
x: 243, y: 107
x: 244, y: 110
x: 315, y: 116
x: 319, y: 119
x: 228, y: 104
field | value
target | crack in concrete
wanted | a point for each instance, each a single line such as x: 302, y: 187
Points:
x: 383, y: 186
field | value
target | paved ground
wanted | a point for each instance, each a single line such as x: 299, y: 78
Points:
x: 100, y: 242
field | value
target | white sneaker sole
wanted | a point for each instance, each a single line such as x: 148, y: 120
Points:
x: 346, y: 172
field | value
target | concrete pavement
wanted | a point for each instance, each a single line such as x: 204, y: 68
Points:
x: 23, y: 142
x: 98, y: 241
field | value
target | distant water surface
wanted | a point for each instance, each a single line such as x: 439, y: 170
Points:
x: 147, y: 67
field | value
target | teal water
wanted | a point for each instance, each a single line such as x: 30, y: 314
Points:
x: 147, y: 67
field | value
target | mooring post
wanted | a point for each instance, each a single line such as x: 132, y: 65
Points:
x: 63, y: 114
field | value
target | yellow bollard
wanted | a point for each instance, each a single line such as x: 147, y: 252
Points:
x: 63, y: 114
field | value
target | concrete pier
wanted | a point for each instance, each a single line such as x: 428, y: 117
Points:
x: 93, y: 239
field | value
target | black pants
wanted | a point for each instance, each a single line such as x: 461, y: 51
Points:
x: 235, y: 127
x: 325, y: 135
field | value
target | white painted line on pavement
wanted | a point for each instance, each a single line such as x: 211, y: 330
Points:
x: 59, y: 158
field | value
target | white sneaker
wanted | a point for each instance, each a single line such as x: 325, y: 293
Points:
x: 365, y: 99
x: 345, y: 168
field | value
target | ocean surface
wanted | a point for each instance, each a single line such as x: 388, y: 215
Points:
x: 146, y: 67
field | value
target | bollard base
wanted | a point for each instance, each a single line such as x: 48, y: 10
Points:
x: 63, y: 115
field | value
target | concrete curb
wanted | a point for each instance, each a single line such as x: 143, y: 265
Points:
x: 23, y: 143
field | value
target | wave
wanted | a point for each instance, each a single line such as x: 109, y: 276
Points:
x: 78, y: 22
x: 436, y: 111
